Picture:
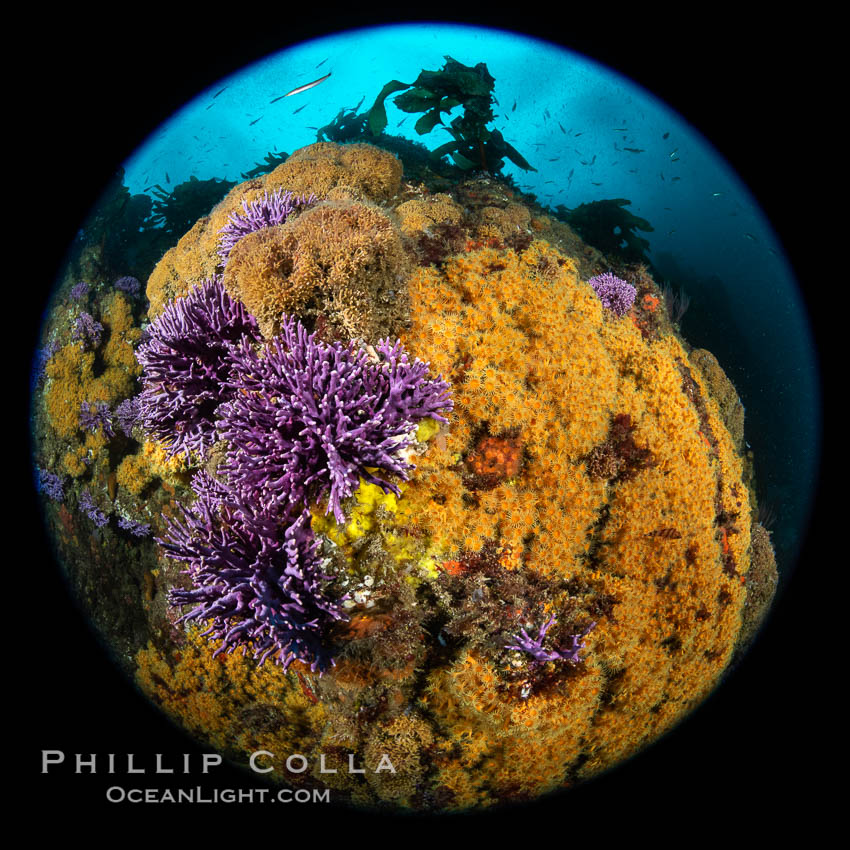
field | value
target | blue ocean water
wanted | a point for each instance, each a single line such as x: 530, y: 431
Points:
x: 591, y: 134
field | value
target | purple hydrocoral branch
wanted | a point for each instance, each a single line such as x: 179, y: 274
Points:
x: 79, y: 290
x: 307, y: 418
x: 185, y: 363
x: 534, y: 646
x: 268, y: 211
x: 257, y: 576
x: 615, y: 294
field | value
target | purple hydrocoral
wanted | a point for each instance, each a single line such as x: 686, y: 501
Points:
x: 79, y: 291
x: 268, y: 211
x: 87, y: 330
x: 50, y: 484
x: 97, y: 415
x: 185, y: 364
x: 307, y: 418
x: 131, y: 285
x: 257, y: 576
x: 87, y: 505
x: 137, y: 529
x: 534, y: 646
x: 615, y: 294
x: 127, y: 414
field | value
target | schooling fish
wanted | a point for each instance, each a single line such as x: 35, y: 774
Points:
x: 554, y: 159
x: 211, y: 106
x: 634, y: 150
x: 251, y: 123
x: 751, y: 237
x: 167, y: 178
x: 322, y: 62
x: 307, y: 85
x: 562, y: 128
x: 219, y: 92
x: 513, y: 109
x: 299, y: 109
x: 666, y: 136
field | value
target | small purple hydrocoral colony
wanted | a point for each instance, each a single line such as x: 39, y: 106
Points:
x: 257, y: 576
x: 130, y: 285
x: 43, y: 357
x: 307, y: 418
x: 185, y: 364
x: 127, y: 414
x: 88, y: 506
x: 79, y: 291
x: 137, y: 529
x: 87, y: 330
x: 50, y: 484
x: 97, y: 415
x: 534, y: 646
x: 268, y: 211
x: 615, y: 294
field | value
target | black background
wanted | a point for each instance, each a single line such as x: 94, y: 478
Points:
x: 91, y: 88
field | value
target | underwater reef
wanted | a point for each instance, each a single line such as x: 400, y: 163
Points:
x: 382, y: 472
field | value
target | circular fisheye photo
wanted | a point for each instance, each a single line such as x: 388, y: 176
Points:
x: 423, y: 418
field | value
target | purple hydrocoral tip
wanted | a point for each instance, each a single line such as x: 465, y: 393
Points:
x: 534, y: 646
x: 307, y: 418
x: 43, y: 357
x: 185, y: 364
x: 615, y: 294
x: 268, y: 211
x: 257, y: 576
x: 127, y: 414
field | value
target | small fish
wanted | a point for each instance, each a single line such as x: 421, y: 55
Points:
x: 251, y: 123
x: 219, y: 92
x: 673, y: 180
x: 666, y: 136
x: 275, y: 100
x: 554, y: 159
x: 716, y: 194
x: 570, y: 175
x: 674, y: 159
x: 167, y: 178
x: 211, y: 106
x: 401, y: 122
x: 596, y: 184
x: 578, y: 134
x: 546, y: 115
x: 673, y: 154
x: 593, y: 160
x: 670, y: 232
x: 661, y: 174
x: 621, y: 130
x: 322, y: 62
x: 751, y: 237
x: 299, y: 109
x: 562, y: 128
x: 307, y: 85
x: 513, y: 108
x: 634, y: 150
x: 312, y: 128
x: 548, y: 181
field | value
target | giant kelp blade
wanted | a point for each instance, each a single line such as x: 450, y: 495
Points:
x: 378, y: 112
